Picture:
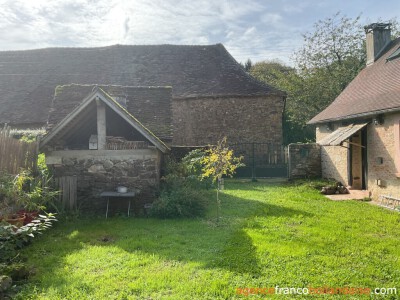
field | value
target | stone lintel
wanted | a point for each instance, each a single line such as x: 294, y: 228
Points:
x: 55, y: 157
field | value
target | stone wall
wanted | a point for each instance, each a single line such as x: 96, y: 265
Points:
x: 204, y: 121
x: 103, y: 170
x: 304, y: 160
x: 333, y: 158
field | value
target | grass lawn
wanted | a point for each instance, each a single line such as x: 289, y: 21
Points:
x: 271, y: 234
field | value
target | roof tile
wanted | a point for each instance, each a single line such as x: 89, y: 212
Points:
x: 375, y: 89
x: 28, y: 78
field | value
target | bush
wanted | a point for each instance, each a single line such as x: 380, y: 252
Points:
x: 7, y: 194
x: 183, y: 201
x: 182, y: 194
x: 12, y: 238
x: 28, y: 191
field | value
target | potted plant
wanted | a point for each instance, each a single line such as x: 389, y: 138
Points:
x: 36, y: 197
x: 24, y: 196
x: 15, y: 219
x: 32, y: 203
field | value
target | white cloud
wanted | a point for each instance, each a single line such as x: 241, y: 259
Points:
x: 256, y: 29
x: 273, y: 19
x: 237, y: 24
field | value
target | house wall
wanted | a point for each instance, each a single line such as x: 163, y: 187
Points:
x: 333, y: 158
x: 103, y: 170
x: 383, y: 155
x: 203, y: 121
x: 382, y: 140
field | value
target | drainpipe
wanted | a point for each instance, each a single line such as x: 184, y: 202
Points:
x: 101, y: 124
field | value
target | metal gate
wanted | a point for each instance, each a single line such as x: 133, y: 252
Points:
x: 261, y: 159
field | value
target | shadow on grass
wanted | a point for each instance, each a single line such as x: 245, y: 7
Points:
x: 238, y: 255
x: 198, y: 241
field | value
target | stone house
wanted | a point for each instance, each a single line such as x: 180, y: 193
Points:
x: 359, y: 132
x: 136, y: 103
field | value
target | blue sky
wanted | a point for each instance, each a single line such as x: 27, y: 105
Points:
x: 255, y: 29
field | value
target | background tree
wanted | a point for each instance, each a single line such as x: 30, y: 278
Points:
x: 272, y: 72
x: 287, y: 79
x: 331, y: 56
x: 333, y: 53
x: 247, y: 65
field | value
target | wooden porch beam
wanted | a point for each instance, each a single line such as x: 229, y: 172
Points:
x: 101, y: 125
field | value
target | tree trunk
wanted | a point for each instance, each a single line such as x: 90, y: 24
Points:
x: 218, y: 201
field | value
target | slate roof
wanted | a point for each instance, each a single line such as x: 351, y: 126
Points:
x: 375, y: 90
x: 150, y: 105
x: 28, y: 78
x: 99, y: 94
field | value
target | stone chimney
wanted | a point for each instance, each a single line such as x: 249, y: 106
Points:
x: 378, y: 37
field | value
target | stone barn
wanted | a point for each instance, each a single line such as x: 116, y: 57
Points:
x: 155, y: 98
x: 212, y: 95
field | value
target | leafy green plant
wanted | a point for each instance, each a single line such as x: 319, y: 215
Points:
x: 34, y: 193
x: 7, y: 194
x: 180, y: 196
x: 181, y: 201
x: 193, y: 162
x: 13, y: 238
x: 182, y: 193
x: 5, y: 286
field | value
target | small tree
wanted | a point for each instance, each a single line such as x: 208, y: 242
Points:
x: 247, y: 65
x: 219, y: 161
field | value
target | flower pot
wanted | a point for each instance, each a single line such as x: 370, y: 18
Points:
x: 29, y: 215
x: 16, y: 220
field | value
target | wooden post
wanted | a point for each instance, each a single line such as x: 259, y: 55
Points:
x: 101, y: 125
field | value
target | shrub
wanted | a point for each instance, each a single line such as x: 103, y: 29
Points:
x: 12, y: 238
x: 7, y: 194
x: 180, y: 201
x: 32, y: 193
x: 182, y: 193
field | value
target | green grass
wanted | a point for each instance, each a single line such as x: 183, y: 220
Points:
x: 270, y: 234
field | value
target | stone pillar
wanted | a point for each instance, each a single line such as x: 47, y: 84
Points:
x: 101, y: 125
